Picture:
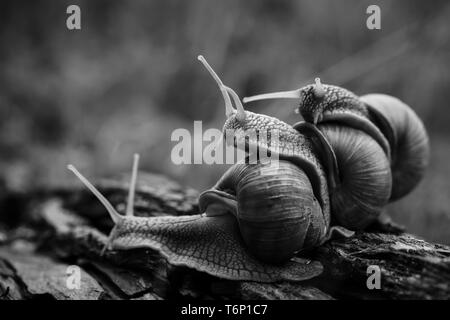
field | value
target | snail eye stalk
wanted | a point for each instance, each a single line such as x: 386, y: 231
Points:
x: 240, y: 108
x: 229, y: 110
x: 131, y: 192
x: 319, y: 90
x: 115, y: 216
x: 292, y: 94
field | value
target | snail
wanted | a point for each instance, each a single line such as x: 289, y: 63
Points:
x: 256, y: 217
x: 389, y: 121
x: 320, y: 103
x: 357, y: 153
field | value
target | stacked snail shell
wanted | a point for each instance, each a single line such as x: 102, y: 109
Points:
x: 378, y: 143
x: 334, y: 172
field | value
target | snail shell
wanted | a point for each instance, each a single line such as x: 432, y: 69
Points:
x: 365, y: 180
x: 275, y: 207
x: 389, y: 121
x: 358, y: 172
x: 407, y: 137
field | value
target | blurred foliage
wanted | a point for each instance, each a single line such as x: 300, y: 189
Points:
x: 130, y: 77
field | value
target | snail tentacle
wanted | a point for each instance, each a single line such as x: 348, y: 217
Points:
x: 228, y: 106
x: 115, y: 216
x: 239, y: 107
x: 130, y: 203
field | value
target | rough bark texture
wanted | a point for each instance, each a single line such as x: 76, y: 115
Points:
x: 43, y: 233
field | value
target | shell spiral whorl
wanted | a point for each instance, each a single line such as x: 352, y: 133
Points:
x: 407, y: 137
x: 278, y: 213
x: 365, y: 178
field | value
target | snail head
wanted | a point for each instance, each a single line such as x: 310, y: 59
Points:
x: 311, y: 100
x: 311, y: 103
x: 255, y: 129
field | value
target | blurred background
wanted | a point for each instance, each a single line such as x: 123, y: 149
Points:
x: 130, y: 77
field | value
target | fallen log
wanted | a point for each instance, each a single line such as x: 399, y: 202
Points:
x: 65, y: 227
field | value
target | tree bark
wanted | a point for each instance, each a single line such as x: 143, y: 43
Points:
x: 42, y: 233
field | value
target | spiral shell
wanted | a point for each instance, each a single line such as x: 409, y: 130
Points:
x: 365, y: 180
x: 410, y: 150
x: 277, y: 212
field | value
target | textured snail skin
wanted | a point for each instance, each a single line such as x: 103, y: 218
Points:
x: 335, y: 100
x: 206, y: 244
x: 341, y: 106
